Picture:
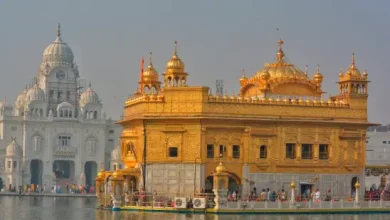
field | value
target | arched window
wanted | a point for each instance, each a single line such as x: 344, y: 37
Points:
x: 263, y: 152
x: 41, y: 112
x: 95, y: 114
x: 66, y: 113
x: 61, y: 113
x: 70, y: 113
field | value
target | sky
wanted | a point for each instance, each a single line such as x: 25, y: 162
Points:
x: 216, y: 40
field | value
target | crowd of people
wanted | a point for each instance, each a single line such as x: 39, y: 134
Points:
x: 37, y: 188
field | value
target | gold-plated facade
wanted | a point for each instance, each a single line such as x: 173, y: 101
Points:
x: 279, y: 123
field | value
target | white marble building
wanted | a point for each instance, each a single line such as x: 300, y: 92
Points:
x: 56, y: 130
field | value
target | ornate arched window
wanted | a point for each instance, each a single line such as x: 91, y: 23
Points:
x: 263, y: 152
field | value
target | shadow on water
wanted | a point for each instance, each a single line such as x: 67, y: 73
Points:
x: 61, y: 208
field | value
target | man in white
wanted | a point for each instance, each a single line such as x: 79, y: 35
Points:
x: 317, y: 195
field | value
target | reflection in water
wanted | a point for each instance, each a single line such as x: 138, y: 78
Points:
x: 48, y: 208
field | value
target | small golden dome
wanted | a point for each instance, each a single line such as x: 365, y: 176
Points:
x: 130, y: 161
x: 285, y: 100
x: 256, y: 99
x: 341, y: 73
x: 220, y: 168
x: 365, y: 74
x: 352, y: 70
x: 243, y: 78
x: 271, y: 99
x: 265, y: 75
x: 277, y: 99
x: 101, y: 174
x: 233, y: 97
x: 357, y: 185
x: 117, y: 175
x: 240, y: 98
x: 300, y: 100
x: 225, y: 97
x: 308, y: 101
x: 175, y: 64
x: 217, y: 97
x: 293, y: 100
x: 292, y: 184
x: 318, y: 76
x: 150, y: 74
x: 330, y: 102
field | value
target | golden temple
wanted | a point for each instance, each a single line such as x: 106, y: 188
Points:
x: 277, y: 128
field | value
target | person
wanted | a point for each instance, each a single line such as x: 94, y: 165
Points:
x: 328, y: 196
x: 317, y: 195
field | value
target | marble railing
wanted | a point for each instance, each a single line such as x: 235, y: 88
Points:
x: 64, y: 151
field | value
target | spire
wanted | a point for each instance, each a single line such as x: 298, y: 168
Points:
x: 306, y: 69
x: 280, y: 54
x: 318, y: 68
x: 175, y: 51
x: 243, y: 72
x: 90, y: 84
x: 150, y: 60
x: 59, y: 30
x: 353, y: 62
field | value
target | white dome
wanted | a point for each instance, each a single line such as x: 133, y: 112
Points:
x: 21, y: 100
x: 14, y: 149
x: 116, y: 154
x: 35, y: 94
x: 64, y: 105
x: 89, y: 97
x: 5, y: 105
x: 58, y: 51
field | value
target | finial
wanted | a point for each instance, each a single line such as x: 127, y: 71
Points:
x: 280, y: 53
x: 306, y: 69
x: 225, y: 91
x: 150, y: 59
x: 243, y: 72
x: 59, y: 30
x: 25, y: 87
x: 175, y: 52
x: 353, y: 61
x: 318, y: 68
x: 89, y: 84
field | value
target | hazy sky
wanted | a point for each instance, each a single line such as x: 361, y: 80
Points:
x: 216, y: 40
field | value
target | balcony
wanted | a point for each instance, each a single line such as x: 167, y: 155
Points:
x: 64, y: 151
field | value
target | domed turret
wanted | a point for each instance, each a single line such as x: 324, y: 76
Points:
x: 35, y: 94
x: 58, y: 51
x: 353, y: 71
x: 175, y: 64
x: 243, y: 78
x: 89, y: 97
x: 175, y: 74
x: 220, y: 168
x: 150, y: 74
x: 14, y: 149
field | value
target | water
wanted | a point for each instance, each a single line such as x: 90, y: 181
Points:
x: 51, y: 208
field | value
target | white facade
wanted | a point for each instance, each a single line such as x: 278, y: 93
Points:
x: 378, y: 146
x: 59, y: 125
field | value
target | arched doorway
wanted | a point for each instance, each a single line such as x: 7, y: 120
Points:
x: 353, y: 182
x: 90, y: 170
x: 64, y: 169
x: 36, y: 170
x: 233, y: 185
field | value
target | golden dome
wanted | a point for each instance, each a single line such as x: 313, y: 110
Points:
x: 265, y: 75
x: 225, y: 97
x: 318, y: 76
x: 352, y: 70
x: 130, y: 161
x: 341, y: 73
x: 256, y: 99
x: 365, y: 74
x: 357, y: 185
x: 280, y: 68
x: 101, y: 174
x: 150, y: 74
x: 175, y: 64
x: 243, y: 77
x: 292, y: 184
x: 233, y: 97
x: 220, y: 168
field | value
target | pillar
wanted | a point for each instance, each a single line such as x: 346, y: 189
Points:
x: 357, y: 186
x: 221, y: 181
x: 292, y: 199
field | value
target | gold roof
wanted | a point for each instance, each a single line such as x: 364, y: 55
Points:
x: 281, y: 77
x: 281, y: 68
x: 175, y: 64
x: 150, y: 74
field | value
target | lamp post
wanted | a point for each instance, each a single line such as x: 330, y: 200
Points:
x: 144, y: 159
